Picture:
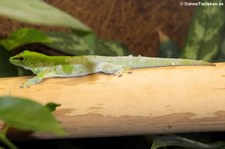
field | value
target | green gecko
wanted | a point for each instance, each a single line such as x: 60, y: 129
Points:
x: 72, y: 66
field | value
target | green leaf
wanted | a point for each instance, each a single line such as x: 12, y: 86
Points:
x: 223, y: 49
x: 4, y: 139
x: 171, y: 140
x: 52, y: 106
x: 39, y: 12
x: 90, y: 41
x: 28, y: 115
x: 168, y: 48
x: 6, y: 68
x: 85, y: 44
x: 221, y: 54
x: 67, y: 42
x: 24, y: 72
x: 205, y: 34
x: 7, y: 142
x: 110, y: 48
x: 24, y: 36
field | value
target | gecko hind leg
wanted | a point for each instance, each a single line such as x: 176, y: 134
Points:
x: 119, y: 73
x: 128, y: 70
x: 115, y: 70
x: 124, y: 70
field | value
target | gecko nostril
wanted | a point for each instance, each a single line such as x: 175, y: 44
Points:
x: 21, y: 58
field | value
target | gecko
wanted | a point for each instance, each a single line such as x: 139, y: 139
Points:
x: 45, y: 66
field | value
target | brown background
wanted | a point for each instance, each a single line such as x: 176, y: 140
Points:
x: 134, y: 22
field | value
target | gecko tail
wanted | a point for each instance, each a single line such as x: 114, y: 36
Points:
x: 196, y: 62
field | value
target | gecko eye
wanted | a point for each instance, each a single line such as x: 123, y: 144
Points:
x: 21, y: 58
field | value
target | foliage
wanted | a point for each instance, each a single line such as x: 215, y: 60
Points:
x: 39, y: 12
x: 24, y: 36
x: 221, y: 54
x: 88, y: 45
x: 6, y: 68
x: 114, y: 48
x: 167, y: 48
x: 68, y: 43
x: 29, y: 115
x: 172, y: 140
x: 205, y: 34
x: 51, y: 106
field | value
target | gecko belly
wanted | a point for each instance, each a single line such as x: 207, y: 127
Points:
x: 71, y: 71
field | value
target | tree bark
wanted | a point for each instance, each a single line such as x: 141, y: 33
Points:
x: 148, y: 101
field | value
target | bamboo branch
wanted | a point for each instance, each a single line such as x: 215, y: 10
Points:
x: 153, y: 100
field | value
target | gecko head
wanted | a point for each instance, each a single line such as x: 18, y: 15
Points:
x: 26, y: 59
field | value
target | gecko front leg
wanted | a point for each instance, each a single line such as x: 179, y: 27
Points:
x: 42, y: 75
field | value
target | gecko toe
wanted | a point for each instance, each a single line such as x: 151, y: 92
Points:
x: 24, y: 85
x: 120, y: 75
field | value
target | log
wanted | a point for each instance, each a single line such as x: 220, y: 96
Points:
x: 148, y: 101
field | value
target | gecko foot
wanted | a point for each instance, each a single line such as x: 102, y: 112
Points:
x: 25, y: 85
x: 120, y: 75
x: 128, y: 70
x: 120, y: 72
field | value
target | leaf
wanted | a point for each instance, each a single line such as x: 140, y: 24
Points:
x: 67, y: 42
x: 171, y: 140
x: 28, y: 115
x: 24, y: 72
x: 85, y: 44
x: 205, y: 34
x: 6, y: 68
x: 221, y: 54
x: 52, y: 106
x: 39, y: 12
x: 4, y: 139
x: 168, y: 48
x: 89, y: 40
x: 24, y: 36
x: 110, y: 48
x: 223, y: 49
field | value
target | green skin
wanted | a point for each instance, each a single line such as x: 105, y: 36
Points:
x: 72, y: 66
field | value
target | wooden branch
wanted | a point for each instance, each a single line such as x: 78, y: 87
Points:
x: 153, y: 100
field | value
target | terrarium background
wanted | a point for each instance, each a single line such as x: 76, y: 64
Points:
x: 133, y: 22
